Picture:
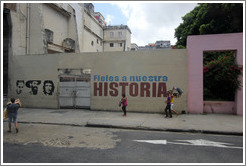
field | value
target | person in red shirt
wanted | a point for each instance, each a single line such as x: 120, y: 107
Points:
x: 124, y: 104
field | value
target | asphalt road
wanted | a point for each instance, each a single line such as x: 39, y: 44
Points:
x: 39, y: 143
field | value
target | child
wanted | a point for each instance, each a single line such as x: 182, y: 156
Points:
x: 124, y: 104
x: 171, y: 101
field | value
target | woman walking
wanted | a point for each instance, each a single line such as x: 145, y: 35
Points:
x: 124, y: 103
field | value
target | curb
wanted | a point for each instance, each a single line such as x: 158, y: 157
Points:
x: 140, y: 128
x: 167, y: 130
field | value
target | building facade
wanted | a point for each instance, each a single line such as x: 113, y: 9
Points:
x: 134, y: 47
x: 160, y: 44
x: 41, y: 28
x: 47, y: 28
x: 92, y: 31
x: 117, y: 38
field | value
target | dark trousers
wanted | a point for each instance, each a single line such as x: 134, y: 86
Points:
x: 168, y: 107
x: 124, y: 109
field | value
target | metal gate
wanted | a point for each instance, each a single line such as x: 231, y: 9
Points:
x: 74, y: 92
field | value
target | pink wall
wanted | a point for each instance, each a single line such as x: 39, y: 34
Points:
x: 219, y: 107
x: 196, y: 45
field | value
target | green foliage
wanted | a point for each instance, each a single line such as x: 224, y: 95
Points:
x: 210, y: 18
x: 180, y: 47
x: 220, y: 76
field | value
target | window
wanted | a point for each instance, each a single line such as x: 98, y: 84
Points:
x: 120, y: 44
x: 97, y: 41
x: 111, y: 44
x: 92, y: 43
x: 120, y: 34
x: 111, y: 34
x: 49, y: 35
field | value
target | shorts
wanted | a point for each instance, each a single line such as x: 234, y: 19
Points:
x: 172, y: 106
x: 12, y: 117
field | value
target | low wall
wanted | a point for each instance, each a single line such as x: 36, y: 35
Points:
x: 144, y: 77
x: 225, y: 107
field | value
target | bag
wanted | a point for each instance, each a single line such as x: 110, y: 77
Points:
x: 5, y: 113
x: 119, y: 103
x: 180, y: 91
x: 176, y: 94
x: 17, y: 101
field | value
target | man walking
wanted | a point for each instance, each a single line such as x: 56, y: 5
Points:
x: 168, y: 106
x: 12, y: 113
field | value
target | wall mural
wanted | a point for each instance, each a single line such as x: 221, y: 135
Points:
x: 20, y: 85
x: 33, y: 85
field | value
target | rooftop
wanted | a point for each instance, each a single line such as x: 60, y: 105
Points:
x: 117, y: 27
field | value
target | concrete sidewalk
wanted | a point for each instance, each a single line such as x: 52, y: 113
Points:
x: 208, y: 123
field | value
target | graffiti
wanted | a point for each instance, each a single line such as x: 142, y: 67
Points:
x: 48, y: 87
x: 33, y: 85
x: 19, y: 86
x: 107, y: 78
x: 144, y: 89
x: 142, y: 86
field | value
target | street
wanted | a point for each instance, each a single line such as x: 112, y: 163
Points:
x: 42, y: 143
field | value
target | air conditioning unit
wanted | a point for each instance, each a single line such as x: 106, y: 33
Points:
x: 68, y: 43
x: 49, y: 36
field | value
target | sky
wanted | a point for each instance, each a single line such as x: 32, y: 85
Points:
x: 148, y: 21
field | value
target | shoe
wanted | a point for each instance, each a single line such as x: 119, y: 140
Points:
x: 17, y: 130
x: 9, y: 131
x: 166, y: 116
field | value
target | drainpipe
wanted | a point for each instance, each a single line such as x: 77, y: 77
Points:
x: 103, y: 39
x: 124, y: 45
x: 28, y: 30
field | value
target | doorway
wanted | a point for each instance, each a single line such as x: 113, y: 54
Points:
x: 7, y: 28
x: 74, y: 89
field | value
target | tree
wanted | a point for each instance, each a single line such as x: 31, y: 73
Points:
x: 220, y: 76
x: 210, y: 18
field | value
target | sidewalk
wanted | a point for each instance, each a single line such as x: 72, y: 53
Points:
x: 209, y: 123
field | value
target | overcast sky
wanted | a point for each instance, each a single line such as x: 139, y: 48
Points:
x: 149, y: 21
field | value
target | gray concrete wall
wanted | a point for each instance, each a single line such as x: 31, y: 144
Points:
x: 37, y: 45
x: 159, y: 71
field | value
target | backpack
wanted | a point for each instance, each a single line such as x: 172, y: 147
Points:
x: 180, y: 91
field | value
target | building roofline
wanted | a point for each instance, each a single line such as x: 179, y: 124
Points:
x: 108, y: 27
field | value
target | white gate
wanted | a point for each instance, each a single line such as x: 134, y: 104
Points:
x: 74, y: 92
